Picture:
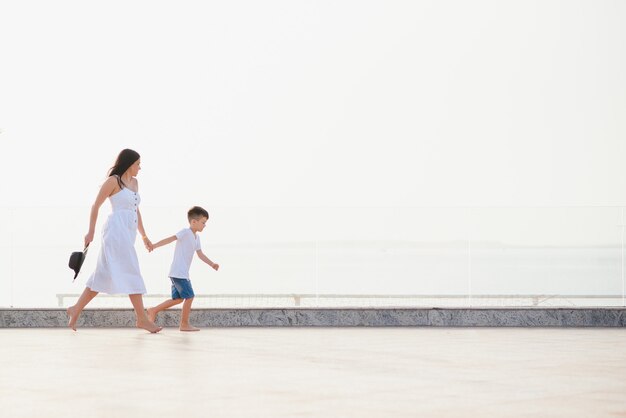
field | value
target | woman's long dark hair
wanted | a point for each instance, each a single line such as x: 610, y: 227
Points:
x: 124, y: 160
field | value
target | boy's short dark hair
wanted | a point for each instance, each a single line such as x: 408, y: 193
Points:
x: 197, y: 212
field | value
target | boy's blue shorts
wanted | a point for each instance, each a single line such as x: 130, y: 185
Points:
x: 181, y: 288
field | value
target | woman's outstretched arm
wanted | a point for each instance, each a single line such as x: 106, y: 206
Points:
x: 105, y: 191
x: 142, y: 231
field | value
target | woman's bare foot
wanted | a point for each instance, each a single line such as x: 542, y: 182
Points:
x: 148, y: 326
x: 151, y: 314
x: 71, y: 313
x: 188, y: 328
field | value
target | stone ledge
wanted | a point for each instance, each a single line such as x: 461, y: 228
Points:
x: 331, y: 317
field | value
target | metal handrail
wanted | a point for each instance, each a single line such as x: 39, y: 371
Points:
x: 298, y: 297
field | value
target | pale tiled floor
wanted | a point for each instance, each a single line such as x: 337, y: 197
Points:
x: 321, y: 372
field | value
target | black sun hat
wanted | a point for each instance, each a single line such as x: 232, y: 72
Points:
x: 76, y: 260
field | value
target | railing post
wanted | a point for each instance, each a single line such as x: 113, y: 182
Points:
x: 469, y: 255
x: 11, y: 256
x: 623, y: 281
x: 316, y: 279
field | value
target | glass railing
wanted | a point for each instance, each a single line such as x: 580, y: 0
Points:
x: 337, y: 257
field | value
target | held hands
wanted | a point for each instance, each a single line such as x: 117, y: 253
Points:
x: 148, y: 244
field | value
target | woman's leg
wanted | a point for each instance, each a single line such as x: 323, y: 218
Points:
x: 74, y: 311
x: 184, y: 316
x: 142, y: 318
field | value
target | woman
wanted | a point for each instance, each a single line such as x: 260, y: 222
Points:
x: 117, y: 269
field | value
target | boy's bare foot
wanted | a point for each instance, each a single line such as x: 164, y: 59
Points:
x: 148, y: 326
x: 188, y: 328
x: 71, y: 313
x: 151, y: 314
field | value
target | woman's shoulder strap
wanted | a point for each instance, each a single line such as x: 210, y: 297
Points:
x: 118, y: 178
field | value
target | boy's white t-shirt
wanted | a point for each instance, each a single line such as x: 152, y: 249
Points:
x: 187, y: 243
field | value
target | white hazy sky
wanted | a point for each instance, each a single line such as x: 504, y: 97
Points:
x: 287, y: 119
x: 324, y: 103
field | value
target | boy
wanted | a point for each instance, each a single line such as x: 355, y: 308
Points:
x: 187, y: 242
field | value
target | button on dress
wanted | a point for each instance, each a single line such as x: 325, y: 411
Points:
x: 117, y: 269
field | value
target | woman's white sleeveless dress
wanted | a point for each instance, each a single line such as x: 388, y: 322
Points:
x: 117, y: 269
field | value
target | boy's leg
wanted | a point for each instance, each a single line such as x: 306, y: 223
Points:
x: 184, y: 290
x: 74, y: 311
x: 184, y: 316
x: 152, y: 312
x: 142, y: 318
x: 177, y: 288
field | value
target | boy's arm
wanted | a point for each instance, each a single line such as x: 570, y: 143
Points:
x: 206, y: 260
x: 164, y: 241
